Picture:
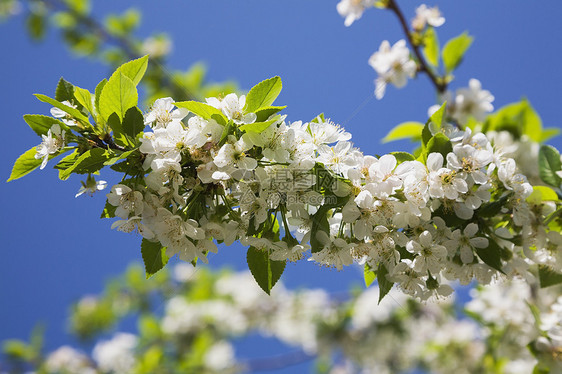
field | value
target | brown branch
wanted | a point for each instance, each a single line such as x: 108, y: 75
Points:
x: 440, y: 86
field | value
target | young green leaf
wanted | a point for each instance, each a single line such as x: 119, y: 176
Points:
x: 65, y: 163
x: 434, y: 122
x: 263, y: 94
x: 202, y: 110
x: 263, y: 114
x: 549, y: 164
x: 73, y: 112
x: 84, y: 97
x: 266, y: 272
x: 64, y: 91
x: 117, y: 96
x: 369, y: 275
x: 27, y: 162
x: 42, y: 124
x: 431, y: 46
x: 454, y: 51
x: 99, y: 89
x: 405, y: 130
x: 108, y: 210
x: 437, y: 117
x: 440, y: 143
x: 122, y: 156
x: 153, y: 256
x: 259, y: 127
x: 403, y: 157
x: 135, y: 69
x: 540, y: 194
x: 88, y: 162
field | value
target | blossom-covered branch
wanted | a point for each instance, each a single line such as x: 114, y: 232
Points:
x: 456, y: 209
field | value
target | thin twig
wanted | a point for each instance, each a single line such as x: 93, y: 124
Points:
x: 440, y: 86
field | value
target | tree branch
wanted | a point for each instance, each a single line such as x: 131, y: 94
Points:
x: 440, y: 86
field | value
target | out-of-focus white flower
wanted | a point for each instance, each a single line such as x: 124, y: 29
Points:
x: 220, y: 356
x: 68, y: 360
x: 116, y: 355
x: 472, y: 101
x: 393, y: 65
x: 427, y: 16
x: 157, y: 46
x: 352, y: 10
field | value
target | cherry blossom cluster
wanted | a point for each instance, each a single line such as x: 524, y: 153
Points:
x: 415, y: 218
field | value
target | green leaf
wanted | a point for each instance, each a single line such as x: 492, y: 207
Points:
x: 437, y: 117
x: 493, y: 208
x: 42, y: 124
x: 431, y: 46
x: 491, y: 255
x: 73, y: 112
x: 266, y: 272
x: 548, y: 277
x: 88, y: 162
x: 405, y: 130
x: 99, y: 89
x: 65, y: 163
x: 202, y: 110
x: 84, y: 97
x: 548, y: 134
x: 549, y: 164
x: 117, y: 96
x: 540, y: 194
x: 135, y: 69
x: 64, y: 91
x: 122, y: 156
x: 263, y: 114
x: 369, y: 275
x: 227, y: 130
x: 403, y: 156
x: 541, y: 368
x: 263, y: 94
x: 384, y: 284
x: 319, y: 118
x: 27, y: 162
x: 454, y: 51
x: 319, y: 223
x: 519, y: 119
x: 153, y: 256
x: 36, y: 26
x: 259, y: 127
x: 133, y: 123
x: 108, y: 210
x: 441, y: 144
x: 434, y: 122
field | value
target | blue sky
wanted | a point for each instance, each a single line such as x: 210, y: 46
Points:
x: 56, y: 249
